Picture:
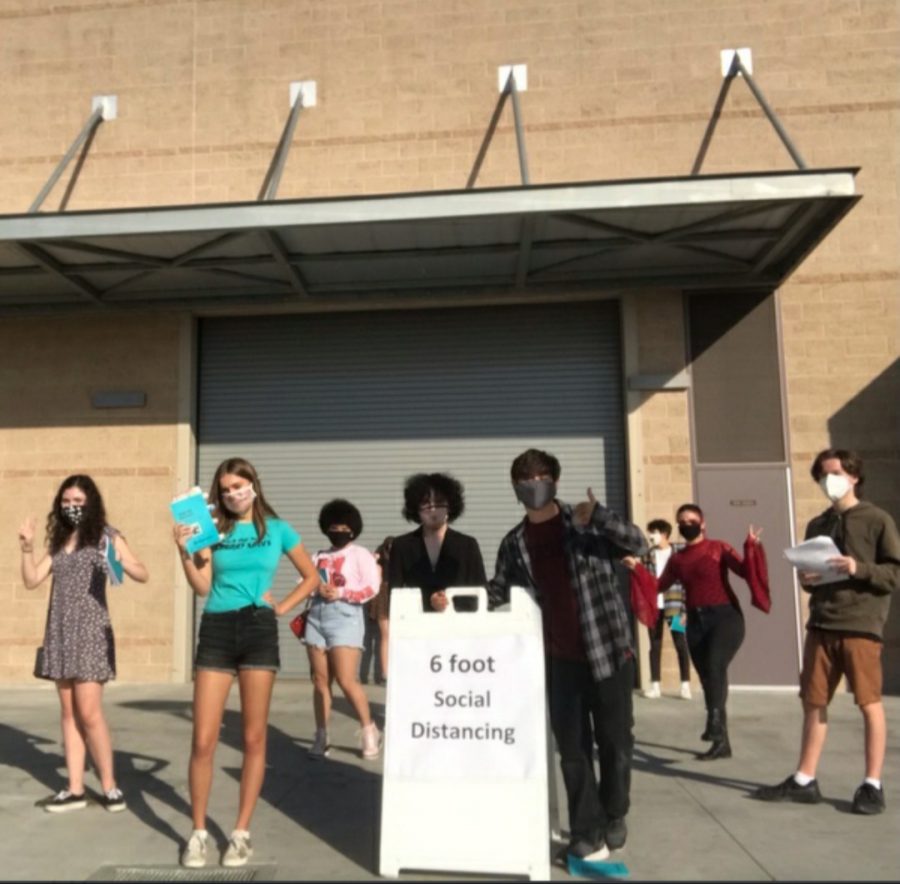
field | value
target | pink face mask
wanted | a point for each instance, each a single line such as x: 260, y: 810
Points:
x: 240, y: 500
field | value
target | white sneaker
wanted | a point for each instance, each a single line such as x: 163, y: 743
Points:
x: 598, y: 855
x: 194, y: 854
x: 320, y: 746
x: 239, y: 849
x: 370, y: 740
x: 653, y: 692
x: 685, y: 692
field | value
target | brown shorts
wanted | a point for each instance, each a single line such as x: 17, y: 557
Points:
x: 827, y: 656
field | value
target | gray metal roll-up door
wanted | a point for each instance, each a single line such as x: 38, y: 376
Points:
x: 349, y: 405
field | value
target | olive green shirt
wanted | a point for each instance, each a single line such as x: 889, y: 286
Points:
x: 860, y: 603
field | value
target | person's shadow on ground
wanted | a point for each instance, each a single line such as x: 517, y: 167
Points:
x: 21, y: 750
x: 348, y: 822
x: 647, y: 762
x: 135, y: 775
x: 658, y: 765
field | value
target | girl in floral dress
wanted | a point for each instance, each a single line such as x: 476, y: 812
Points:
x: 79, y: 651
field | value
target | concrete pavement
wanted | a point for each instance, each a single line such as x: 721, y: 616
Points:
x: 690, y: 820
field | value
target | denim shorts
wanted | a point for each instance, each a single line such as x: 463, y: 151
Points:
x: 335, y: 624
x: 243, y: 639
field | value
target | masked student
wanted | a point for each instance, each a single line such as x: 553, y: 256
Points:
x: 566, y: 556
x: 335, y: 624
x: 845, y: 630
x: 715, y: 622
x: 79, y: 650
x: 434, y: 556
x: 670, y: 612
x: 238, y: 637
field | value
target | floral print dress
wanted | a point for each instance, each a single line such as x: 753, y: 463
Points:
x: 78, y: 639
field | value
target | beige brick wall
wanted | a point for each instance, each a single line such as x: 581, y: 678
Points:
x: 665, y: 430
x: 406, y: 88
x: 49, y: 430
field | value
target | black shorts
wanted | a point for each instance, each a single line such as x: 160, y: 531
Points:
x: 242, y: 639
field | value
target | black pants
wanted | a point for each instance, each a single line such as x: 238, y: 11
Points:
x: 582, y: 712
x: 681, y: 648
x: 714, y: 635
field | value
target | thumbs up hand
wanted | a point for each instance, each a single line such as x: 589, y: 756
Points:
x: 584, y: 510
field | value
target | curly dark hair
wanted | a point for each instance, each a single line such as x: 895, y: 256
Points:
x: 420, y: 487
x: 90, y: 529
x: 238, y: 466
x: 340, y: 512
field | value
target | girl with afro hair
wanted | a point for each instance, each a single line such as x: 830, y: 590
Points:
x: 434, y: 556
x: 335, y: 625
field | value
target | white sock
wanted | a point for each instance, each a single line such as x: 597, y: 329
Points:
x: 201, y: 832
x: 244, y: 833
x: 598, y: 855
x: 873, y: 782
x: 801, y: 779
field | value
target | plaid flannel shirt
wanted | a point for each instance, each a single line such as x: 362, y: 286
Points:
x: 590, y: 552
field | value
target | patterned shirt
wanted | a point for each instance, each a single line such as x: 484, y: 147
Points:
x: 353, y: 570
x: 591, y: 553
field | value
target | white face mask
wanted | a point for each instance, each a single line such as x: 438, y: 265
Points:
x: 240, y: 500
x: 655, y: 538
x: 834, y: 487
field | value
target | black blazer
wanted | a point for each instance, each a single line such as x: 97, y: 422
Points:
x: 459, y: 564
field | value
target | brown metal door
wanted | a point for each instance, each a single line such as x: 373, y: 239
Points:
x: 733, y: 497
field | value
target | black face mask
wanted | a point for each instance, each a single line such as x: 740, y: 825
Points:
x: 339, y: 539
x: 72, y: 514
x: 689, y: 530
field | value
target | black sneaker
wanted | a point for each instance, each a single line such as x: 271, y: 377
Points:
x: 790, y: 790
x: 64, y: 801
x: 616, y: 833
x: 868, y: 800
x: 113, y: 800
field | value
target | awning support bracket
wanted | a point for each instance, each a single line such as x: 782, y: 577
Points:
x: 283, y: 258
x: 509, y: 90
x: 104, y: 108
x: 303, y: 94
x: 62, y: 273
x: 735, y: 68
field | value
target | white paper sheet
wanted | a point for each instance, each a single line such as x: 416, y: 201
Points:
x: 812, y: 555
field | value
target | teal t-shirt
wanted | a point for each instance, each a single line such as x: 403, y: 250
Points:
x: 244, y: 568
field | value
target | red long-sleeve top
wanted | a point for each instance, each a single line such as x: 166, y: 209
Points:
x: 702, y: 569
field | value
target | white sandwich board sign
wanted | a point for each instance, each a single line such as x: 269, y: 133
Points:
x: 465, y: 765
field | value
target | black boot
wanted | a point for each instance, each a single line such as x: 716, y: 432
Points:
x: 706, y: 734
x: 718, y: 733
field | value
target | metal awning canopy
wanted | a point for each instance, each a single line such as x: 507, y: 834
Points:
x: 711, y: 231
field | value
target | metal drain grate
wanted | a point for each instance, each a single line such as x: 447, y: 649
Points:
x: 177, y: 873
